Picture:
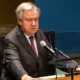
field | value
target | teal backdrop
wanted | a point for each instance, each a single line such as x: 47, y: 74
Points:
x: 63, y: 17
x: 59, y: 15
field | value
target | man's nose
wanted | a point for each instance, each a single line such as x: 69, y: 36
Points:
x: 33, y: 22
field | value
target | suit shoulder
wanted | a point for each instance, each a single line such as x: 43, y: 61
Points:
x: 11, y: 34
x: 41, y: 34
x: 41, y: 31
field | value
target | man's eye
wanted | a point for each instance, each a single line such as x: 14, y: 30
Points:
x: 28, y: 19
x: 36, y: 19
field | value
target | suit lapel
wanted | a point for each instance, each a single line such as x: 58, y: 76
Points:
x: 25, y: 43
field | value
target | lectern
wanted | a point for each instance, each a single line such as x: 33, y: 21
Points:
x: 76, y: 77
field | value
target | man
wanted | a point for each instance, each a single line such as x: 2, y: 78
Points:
x: 22, y: 62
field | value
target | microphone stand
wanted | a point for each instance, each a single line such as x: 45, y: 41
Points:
x: 60, y: 60
x: 72, y: 75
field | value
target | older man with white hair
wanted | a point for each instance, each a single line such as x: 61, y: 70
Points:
x: 24, y: 57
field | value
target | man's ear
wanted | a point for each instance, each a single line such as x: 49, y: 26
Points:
x: 19, y: 21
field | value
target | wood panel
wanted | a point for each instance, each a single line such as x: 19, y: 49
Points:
x: 7, y: 10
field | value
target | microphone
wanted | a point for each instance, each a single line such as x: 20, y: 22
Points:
x: 60, y: 53
x: 43, y: 44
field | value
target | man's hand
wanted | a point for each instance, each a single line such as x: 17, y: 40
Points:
x: 27, y: 77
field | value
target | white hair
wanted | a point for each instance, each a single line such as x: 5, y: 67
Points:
x: 25, y: 6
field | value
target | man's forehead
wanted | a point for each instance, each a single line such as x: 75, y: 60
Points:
x: 30, y: 13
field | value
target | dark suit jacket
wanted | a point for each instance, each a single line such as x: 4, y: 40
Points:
x: 19, y: 57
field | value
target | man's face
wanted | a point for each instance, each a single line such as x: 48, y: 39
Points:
x: 30, y: 21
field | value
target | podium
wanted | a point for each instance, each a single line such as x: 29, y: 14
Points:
x: 76, y: 77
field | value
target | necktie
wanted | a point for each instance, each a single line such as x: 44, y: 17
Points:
x: 32, y: 43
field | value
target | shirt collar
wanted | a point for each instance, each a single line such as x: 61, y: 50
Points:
x: 27, y: 36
